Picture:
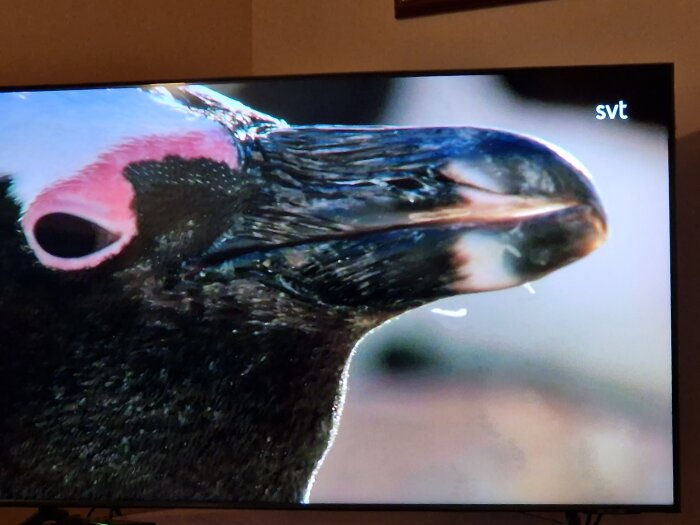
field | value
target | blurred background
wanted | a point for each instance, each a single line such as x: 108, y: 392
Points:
x: 554, y: 392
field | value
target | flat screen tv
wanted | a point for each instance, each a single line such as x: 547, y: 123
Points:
x: 430, y: 290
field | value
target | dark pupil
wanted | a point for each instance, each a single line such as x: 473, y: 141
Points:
x: 67, y: 236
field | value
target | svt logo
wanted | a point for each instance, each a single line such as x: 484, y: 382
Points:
x: 604, y: 111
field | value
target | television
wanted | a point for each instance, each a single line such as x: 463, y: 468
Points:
x: 435, y: 290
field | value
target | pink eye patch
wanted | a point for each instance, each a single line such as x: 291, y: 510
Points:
x: 79, y: 222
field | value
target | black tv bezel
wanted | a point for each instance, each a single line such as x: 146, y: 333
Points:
x: 610, y: 508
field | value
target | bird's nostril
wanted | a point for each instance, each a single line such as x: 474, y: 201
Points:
x: 69, y: 236
x: 406, y: 183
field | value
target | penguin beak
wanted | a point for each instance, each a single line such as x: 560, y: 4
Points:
x: 387, y: 217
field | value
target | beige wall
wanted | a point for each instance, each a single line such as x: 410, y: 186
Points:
x: 67, y: 41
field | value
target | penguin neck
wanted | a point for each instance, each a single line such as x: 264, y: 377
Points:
x: 233, y: 401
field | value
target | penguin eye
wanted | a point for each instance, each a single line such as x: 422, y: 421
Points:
x: 80, y: 222
x: 68, y: 236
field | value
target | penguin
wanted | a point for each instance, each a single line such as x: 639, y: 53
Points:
x: 183, y: 279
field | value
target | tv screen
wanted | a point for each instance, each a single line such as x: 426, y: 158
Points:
x: 351, y: 290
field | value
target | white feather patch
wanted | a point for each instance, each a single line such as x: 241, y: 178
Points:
x: 47, y: 136
x: 482, y: 264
